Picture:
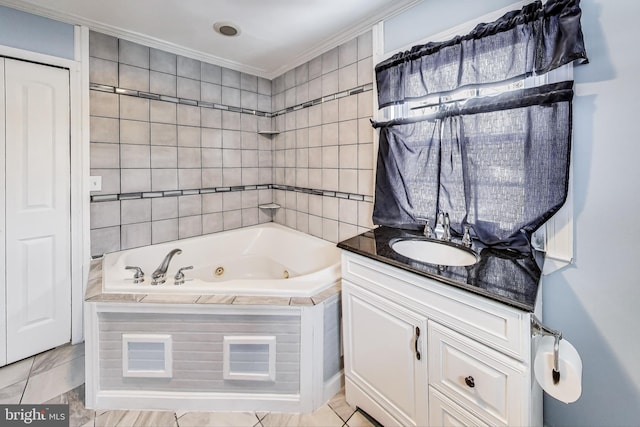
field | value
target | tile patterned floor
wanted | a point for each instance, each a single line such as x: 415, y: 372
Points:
x: 57, y: 376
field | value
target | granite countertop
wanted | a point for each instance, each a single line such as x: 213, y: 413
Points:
x: 505, y: 276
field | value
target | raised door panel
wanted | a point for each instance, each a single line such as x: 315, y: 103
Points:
x: 37, y: 208
x: 3, y: 319
x: 385, y: 354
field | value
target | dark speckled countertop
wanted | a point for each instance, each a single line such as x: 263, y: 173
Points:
x: 505, y: 276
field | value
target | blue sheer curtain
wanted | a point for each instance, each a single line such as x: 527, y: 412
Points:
x: 536, y: 39
x: 498, y: 163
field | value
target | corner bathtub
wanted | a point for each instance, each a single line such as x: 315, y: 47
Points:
x: 255, y: 326
x: 268, y: 259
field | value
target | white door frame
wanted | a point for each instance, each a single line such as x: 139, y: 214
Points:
x: 3, y: 281
x: 79, y: 149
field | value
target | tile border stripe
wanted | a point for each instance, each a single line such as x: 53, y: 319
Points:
x: 204, y: 104
x: 97, y: 198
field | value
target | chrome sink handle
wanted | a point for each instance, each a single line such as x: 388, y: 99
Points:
x: 428, y: 231
x: 138, y: 276
x: 466, y: 237
x: 179, y: 277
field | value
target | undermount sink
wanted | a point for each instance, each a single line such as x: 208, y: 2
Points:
x: 434, y: 252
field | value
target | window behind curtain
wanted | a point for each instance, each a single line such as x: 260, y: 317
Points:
x: 478, y: 131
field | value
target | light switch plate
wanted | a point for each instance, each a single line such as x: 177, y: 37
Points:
x: 95, y: 183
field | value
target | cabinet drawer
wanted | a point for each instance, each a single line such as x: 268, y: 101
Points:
x: 444, y: 412
x: 486, y: 382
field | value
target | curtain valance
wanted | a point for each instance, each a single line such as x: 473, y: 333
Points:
x: 533, y: 40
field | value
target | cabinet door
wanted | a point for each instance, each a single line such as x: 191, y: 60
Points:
x: 385, y: 355
x: 38, y: 277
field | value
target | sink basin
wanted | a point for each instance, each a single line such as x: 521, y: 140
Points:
x: 434, y: 252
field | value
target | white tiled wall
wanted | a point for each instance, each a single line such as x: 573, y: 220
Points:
x: 161, y: 159
x: 327, y: 146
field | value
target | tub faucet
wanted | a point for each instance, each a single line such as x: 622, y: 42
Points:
x: 159, y: 276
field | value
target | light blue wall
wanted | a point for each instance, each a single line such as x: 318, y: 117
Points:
x: 35, y: 33
x: 595, y: 302
x: 432, y: 17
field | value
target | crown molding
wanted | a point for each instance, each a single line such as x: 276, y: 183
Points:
x: 132, y: 36
x: 364, y: 25
x: 360, y: 28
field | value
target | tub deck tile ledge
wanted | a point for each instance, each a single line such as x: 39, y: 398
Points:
x: 301, y: 301
x: 116, y: 298
x: 216, y: 299
x: 170, y: 299
x: 94, y: 283
x: 260, y: 300
x: 327, y: 293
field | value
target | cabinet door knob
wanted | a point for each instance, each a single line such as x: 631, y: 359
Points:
x: 418, y: 356
x: 470, y: 381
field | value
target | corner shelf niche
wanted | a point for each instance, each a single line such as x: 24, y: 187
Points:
x: 272, y: 206
x: 268, y: 132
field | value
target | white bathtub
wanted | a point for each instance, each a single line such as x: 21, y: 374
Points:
x: 258, y: 348
x: 266, y: 259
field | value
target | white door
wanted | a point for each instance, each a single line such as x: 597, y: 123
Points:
x: 37, y: 208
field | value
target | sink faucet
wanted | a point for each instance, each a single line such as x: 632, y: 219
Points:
x: 443, y: 227
x: 446, y: 235
x: 159, y: 276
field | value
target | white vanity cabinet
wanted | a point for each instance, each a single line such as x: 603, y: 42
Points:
x: 419, y: 352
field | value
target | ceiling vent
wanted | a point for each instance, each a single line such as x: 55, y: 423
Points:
x: 226, y: 29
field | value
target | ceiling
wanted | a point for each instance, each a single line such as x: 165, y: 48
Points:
x: 275, y: 35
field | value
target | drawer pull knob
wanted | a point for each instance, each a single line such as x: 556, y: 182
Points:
x: 470, y: 381
x: 418, y: 356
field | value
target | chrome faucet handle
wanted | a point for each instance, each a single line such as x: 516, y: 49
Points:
x: 428, y: 231
x: 466, y: 237
x: 138, y: 276
x: 179, y: 277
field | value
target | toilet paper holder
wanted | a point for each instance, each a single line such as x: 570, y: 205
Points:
x: 538, y: 328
